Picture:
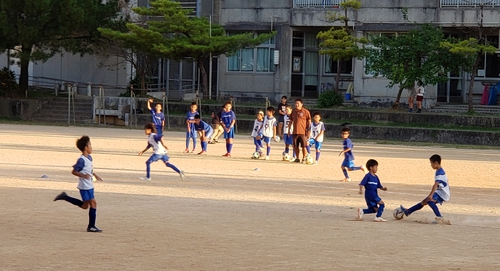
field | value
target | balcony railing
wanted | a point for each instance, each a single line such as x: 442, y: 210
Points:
x: 470, y: 3
x: 316, y: 3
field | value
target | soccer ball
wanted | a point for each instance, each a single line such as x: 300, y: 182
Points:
x: 286, y: 157
x: 398, y: 213
x: 309, y: 159
x: 256, y: 155
x: 277, y: 139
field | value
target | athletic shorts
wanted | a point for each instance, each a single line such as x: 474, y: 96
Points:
x: 299, y: 140
x: 348, y: 164
x: 267, y: 139
x: 288, y: 139
x: 420, y: 98
x: 372, y: 202
x: 317, y: 145
x: 87, y: 194
x: 209, y: 134
x: 229, y: 134
x: 437, y: 198
x: 156, y: 157
x: 257, y: 142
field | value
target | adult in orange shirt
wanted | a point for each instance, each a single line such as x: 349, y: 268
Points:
x: 300, y: 120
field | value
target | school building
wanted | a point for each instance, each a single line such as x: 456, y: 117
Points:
x: 290, y: 63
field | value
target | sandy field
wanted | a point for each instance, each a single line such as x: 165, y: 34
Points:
x: 237, y: 213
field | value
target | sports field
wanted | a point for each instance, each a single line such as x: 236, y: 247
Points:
x: 237, y: 213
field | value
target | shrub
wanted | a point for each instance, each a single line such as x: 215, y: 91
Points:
x: 8, y: 84
x: 330, y: 98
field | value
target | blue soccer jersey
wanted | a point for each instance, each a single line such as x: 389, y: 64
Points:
x: 203, y: 126
x: 371, y: 184
x: 190, y: 117
x: 443, y: 189
x: 348, y: 145
x: 227, y: 118
x: 158, y: 118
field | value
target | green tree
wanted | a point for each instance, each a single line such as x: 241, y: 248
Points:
x: 172, y: 34
x: 37, y: 29
x: 408, y: 57
x: 339, y: 43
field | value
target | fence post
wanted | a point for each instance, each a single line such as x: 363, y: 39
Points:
x: 231, y: 100
x: 133, y: 112
x: 70, y: 90
x: 165, y: 108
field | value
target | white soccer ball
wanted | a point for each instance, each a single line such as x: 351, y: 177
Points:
x: 277, y: 139
x: 286, y: 157
x: 398, y: 213
x: 309, y: 160
x: 255, y: 155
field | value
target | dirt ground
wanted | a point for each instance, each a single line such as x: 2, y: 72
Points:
x: 238, y: 213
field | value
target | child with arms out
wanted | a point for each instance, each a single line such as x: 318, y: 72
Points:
x: 83, y: 169
x: 158, y: 117
x: 371, y: 183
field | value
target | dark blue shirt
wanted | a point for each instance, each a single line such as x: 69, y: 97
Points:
x: 371, y: 184
x: 158, y: 118
x: 227, y: 118
x: 348, y: 145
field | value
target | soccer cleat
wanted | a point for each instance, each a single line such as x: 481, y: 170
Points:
x: 379, y: 219
x: 360, y: 213
x: 93, y: 229
x: 405, y: 211
x: 316, y: 163
x: 202, y: 153
x: 186, y: 151
x: 183, y: 176
x: 346, y: 180
x: 297, y: 160
x: 193, y: 150
x: 267, y: 157
x: 410, y: 111
x: 61, y: 196
x: 227, y: 155
x: 145, y: 178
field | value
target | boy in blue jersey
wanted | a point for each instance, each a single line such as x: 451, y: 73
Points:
x: 440, y: 192
x: 256, y: 134
x: 206, y: 131
x: 268, y: 129
x: 348, y: 163
x: 317, y: 135
x: 159, y: 152
x: 158, y: 117
x: 228, y: 119
x: 191, y: 132
x: 371, y: 183
x: 83, y: 169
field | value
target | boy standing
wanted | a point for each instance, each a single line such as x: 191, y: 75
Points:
x: 83, y: 169
x: 287, y: 138
x: 348, y: 163
x: 317, y: 132
x: 256, y: 134
x: 440, y: 191
x: 158, y: 117
x: 228, y: 119
x: 205, y: 131
x: 301, y: 121
x: 281, y: 115
x: 269, y: 129
x: 191, y: 132
x: 371, y: 183
x: 420, y: 95
x: 159, y: 152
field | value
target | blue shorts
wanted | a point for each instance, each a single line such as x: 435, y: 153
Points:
x: 437, y: 198
x: 156, y: 157
x: 288, y: 139
x: 372, y: 202
x: 348, y: 164
x: 229, y: 134
x: 257, y: 142
x: 87, y: 194
x: 317, y: 145
x: 267, y: 139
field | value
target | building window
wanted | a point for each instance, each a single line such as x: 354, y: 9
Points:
x: 258, y: 59
x: 331, y: 66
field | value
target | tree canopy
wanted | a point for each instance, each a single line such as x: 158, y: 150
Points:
x: 171, y: 33
x: 37, y: 29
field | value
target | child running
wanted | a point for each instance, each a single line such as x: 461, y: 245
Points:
x: 440, y: 192
x: 317, y: 132
x: 371, y: 183
x: 348, y: 163
x: 206, y: 131
x: 256, y: 134
x: 191, y: 132
x: 228, y: 119
x: 159, y: 152
x: 83, y: 169
x: 157, y: 116
x: 268, y: 129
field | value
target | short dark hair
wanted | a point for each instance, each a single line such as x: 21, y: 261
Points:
x: 82, y: 142
x: 345, y: 129
x: 284, y: 97
x: 299, y: 100
x: 435, y: 158
x: 151, y: 126
x: 194, y: 103
x: 226, y: 103
x: 371, y: 163
x: 316, y: 114
x: 270, y: 109
x: 197, y: 116
x: 288, y: 106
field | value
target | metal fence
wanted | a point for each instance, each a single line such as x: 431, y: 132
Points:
x: 470, y: 3
x: 317, y: 3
